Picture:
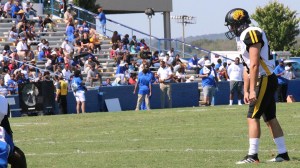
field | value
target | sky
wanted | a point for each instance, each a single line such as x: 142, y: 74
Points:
x: 210, y: 15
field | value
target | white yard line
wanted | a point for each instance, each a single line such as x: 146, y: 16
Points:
x: 151, y: 150
x: 26, y: 124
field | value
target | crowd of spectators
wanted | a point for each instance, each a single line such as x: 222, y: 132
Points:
x: 78, y: 51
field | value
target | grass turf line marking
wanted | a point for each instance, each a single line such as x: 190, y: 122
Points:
x: 150, y: 150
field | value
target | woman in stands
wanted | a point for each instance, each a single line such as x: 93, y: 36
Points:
x: 13, y: 35
x: 115, y: 39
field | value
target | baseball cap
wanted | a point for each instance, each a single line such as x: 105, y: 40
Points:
x: 281, y: 60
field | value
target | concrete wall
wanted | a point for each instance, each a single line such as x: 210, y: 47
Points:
x: 136, y: 5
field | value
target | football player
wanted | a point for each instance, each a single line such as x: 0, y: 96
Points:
x: 260, y: 82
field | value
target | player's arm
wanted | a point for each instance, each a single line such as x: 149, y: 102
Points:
x: 254, y: 54
x: 246, y: 86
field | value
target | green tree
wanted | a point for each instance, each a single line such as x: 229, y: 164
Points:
x: 90, y: 6
x: 280, y: 23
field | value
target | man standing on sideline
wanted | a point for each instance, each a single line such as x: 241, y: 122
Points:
x: 79, y: 90
x: 145, y: 88
x: 259, y: 83
x: 282, y: 82
x: 61, y: 95
x: 209, y: 82
x: 235, y: 73
x: 165, y: 75
x: 102, y: 18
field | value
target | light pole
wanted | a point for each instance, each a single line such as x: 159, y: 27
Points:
x: 184, y: 20
x: 149, y: 12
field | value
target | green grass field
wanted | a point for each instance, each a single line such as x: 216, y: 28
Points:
x: 181, y: 137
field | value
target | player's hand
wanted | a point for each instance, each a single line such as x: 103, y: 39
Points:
x: 252, y: 97
x: 246, y: 97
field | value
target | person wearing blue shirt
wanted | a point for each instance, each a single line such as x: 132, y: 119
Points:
x: 145, y: 88
x: 79, y: 90
x: 101, y: 16
x: 282, y: 82
x: 209, y: 78
x: 15, y: 9
x: 193, y: 64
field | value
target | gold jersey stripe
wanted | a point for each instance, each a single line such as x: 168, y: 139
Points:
x: 255, y: 35
x: 251, y: 36
x: 265, y: 67
x: 262, y: 92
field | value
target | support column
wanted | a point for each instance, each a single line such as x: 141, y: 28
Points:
x: 167, y: 30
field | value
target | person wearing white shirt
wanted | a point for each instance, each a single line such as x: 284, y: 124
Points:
x: 168, y: 60
x: 165, y: 75
x: 68, y: 48
x: 22, y: 48
x: 171, y: 53
x: 67, y: 73
x: 235, y: 73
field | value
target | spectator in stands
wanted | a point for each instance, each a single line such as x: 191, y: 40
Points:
x: 22, y: 48
x: 133, y: 41
x: 14, y: 55
x: 13, y: 35
x: 115, y: 39
x: 125, y: 41
x: 168, y: 60
x: 102, y: 18
x: 180, y: 75
x: 85, y: 43
x: 70, y: 32
x: 145, y: 88
x: 209, y: 82
x: 24, y: 70
x: 176, y: 60
x: 93, y: 76
x: 4, y: 90
x: 107, y: 82
x: 15, y: 9
x: 79, y: 89
x: 202, y: 61
x: 7, y: 9
x: 165, y: 75
x: 218, y: 65
x: 143, y: 44
x: 95, y: 43
x: 67, y: 48
x: 61, y: 95
x: 171, y: 53
x: 132, y: 79
x: 21, y: 16
x: 41, y: 54
x: 193, y: 64
x: 48, y: 24
x: 282, y: 82
x: 222, y: 74
x: 29, y: 9
x: 6, y: 74
x: 235, y: 73
x: 69, y: 15
x: 155, y: 60
x: 12, y: 84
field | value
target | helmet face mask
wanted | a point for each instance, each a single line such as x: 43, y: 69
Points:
x: 237, y: 20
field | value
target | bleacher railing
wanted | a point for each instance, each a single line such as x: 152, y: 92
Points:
x: 111, y: 26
